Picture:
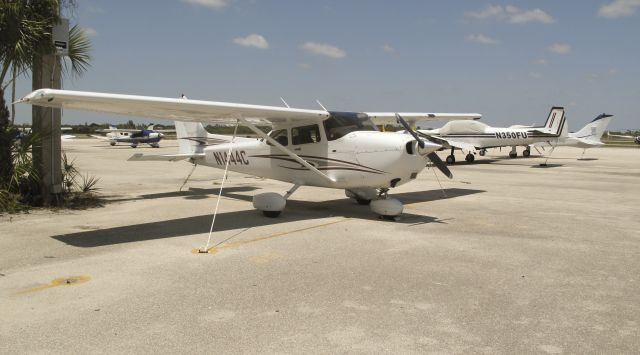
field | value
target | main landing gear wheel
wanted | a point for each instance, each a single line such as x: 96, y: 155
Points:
x: 526, y: 153
x: 112, y: 143
x: 512, y: 155
x: 134, y: 146
x: 482, y: 152
x: 470, y: 158
x: 451, y: 159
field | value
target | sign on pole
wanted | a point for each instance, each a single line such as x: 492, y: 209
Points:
x: 60, y: 35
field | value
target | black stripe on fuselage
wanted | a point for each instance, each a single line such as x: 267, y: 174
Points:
x: 328, y: 160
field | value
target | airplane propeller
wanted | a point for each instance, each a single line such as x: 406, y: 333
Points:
x: 435, y: 159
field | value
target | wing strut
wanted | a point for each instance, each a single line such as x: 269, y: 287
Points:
x: 293, y: 155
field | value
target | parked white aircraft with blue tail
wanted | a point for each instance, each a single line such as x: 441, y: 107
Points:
x: 587, y: 137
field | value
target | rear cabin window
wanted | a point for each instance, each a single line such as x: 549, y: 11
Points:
x: 279, y: 136
x: 342, y: 123
x: 305, y: 134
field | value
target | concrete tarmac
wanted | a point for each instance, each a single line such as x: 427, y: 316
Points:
x: 517, y: 259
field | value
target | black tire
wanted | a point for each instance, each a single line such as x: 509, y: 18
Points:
x: 271, y: 214
x: 513, y: 155
x: 451, y: 159
x: 363, y: 201
x: 470, y: 158
x: 482, y: 152
x: 526, y: 153
x: 113, y: 143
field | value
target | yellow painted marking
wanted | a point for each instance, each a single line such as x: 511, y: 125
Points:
x: 62, y: 281
x: 216, y: 249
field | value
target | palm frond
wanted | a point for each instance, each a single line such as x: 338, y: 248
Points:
x: 79, y: 60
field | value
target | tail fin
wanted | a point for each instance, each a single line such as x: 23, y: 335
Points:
x: 556, y: 122
x: 596, y: 128
x: 192, y: 137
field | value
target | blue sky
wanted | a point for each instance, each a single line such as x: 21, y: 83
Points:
x: 510, y: 61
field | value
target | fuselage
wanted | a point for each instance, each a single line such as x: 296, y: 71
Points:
x: 357, y: 159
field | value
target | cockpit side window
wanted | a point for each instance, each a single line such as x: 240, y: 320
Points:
x: 280, y: 136
x: 340, y: 124
x: 305, y: 134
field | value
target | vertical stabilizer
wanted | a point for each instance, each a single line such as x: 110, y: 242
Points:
x: 192, y: 137
x: 556, y: 122
x: 595, y: 129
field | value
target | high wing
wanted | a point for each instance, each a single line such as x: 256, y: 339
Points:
x: 384, y: 118
x: 187, y: 110
x: 167, y: 108
x: 115, y: 130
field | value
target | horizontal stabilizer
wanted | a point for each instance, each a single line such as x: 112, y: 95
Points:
x: 165, y: 157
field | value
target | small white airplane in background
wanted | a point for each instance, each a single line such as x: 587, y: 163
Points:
x: 587, y: 137
x: 133, y: 137
x: 340, y: 150
x: 472, y: 136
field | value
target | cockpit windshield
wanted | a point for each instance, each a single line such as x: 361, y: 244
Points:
x: 340, y: 124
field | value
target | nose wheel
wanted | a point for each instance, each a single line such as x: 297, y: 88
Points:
x: 470, y: 158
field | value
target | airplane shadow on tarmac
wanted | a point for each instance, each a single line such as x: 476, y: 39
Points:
x: 295, y: 211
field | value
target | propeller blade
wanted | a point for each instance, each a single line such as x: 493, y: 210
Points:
x: 435, y: 159
x: 408, y: 129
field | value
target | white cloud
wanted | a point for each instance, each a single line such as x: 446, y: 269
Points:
x: 535, y: 75
x: 560, y: 48
x: 90, y: 31
x: 490, y: 11
x: 324, y: 49
x: 541, y: 62
x: 305, y: 66
x: 512, y: 14
x: 212, y: 4
x: 388, y: 49
x: 481, y: 39
x: 252, y: 40
x: 619, y: 8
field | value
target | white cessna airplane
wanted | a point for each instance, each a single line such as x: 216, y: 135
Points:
x: 341, y: 150
x: 472, y: 136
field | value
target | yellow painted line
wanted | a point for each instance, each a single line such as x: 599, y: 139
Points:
x: 214, y: 249
x: 62, y: 281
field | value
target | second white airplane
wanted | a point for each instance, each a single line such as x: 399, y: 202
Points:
x: 472, y: 136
